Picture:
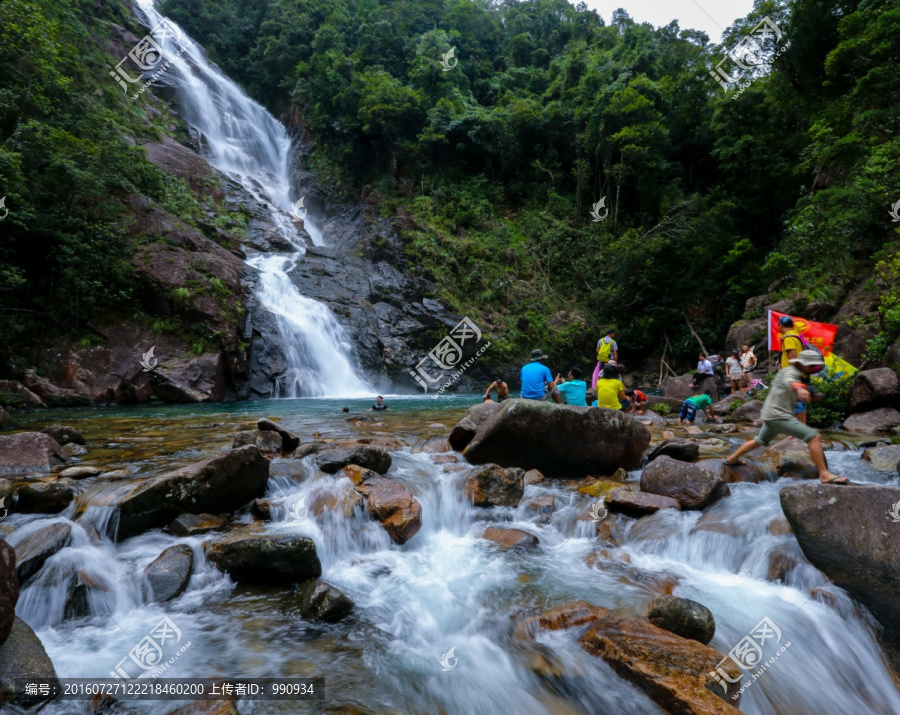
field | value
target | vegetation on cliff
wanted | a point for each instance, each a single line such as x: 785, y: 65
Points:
x: 496, y: 163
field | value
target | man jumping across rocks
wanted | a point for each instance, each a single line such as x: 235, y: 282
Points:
x: 778, y: 415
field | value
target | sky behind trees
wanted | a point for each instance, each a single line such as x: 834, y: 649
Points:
x: 709, y: 16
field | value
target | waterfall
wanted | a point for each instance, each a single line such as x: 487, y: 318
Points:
x: 241, y: 139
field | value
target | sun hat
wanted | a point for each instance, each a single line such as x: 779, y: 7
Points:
x: 537, y: 355
x: 809, y: 358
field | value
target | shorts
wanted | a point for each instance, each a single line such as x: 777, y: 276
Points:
x: 735, y: 376
x: 688, y: 411
x: 799, y: 408
x: 793, y: 428
x: 500, y: 398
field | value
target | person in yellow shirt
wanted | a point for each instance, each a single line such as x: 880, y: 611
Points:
x: 791, y: 347
x: 610, y: 389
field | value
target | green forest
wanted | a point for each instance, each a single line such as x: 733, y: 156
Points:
x: 494, y: 160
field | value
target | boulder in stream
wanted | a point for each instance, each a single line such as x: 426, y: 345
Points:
x: 748, y: 412
x: 268, y: 442
x: 9, y: 589
x: 266, y: 558
x: 46, y: 497
x: 874, y: 388
x: 22, y: 657
x: 320, y: 601
x: 289, y: 440
x: 681, y: 449
x: 492, y: 485
x: 672, y: 670
x: 35, y: 547
x: 508, y: 539
x: 880, y: 420
x: 78, y: 599
x: 849, y: 533
x: 334, y: 458
x: 692, y: 486
x: 29, y: 453
x: 559, y: 440
x: 81, y: 472
x: 683, y: 617
x: 64, y: 434
x: 467, y: 427
x: 7, y: 422
x: 217, y: 485
x: 170, y: 572
x: 196, y: 524
x: 638, y: 504
x: 883, y: 459
x: 388, y: 501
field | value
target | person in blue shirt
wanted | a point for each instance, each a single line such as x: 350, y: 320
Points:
x: 573, y: 388
x: 536, y: 378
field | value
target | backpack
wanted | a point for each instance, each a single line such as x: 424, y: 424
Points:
x: 604, y: 350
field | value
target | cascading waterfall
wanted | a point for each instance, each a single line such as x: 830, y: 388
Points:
x: 240, y: 138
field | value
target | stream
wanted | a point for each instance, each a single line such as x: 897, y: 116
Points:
x: 446, y: 588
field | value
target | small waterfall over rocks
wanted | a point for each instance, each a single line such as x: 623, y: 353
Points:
x: 238, y: 137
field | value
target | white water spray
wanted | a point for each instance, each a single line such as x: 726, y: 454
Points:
x: 240, y: 138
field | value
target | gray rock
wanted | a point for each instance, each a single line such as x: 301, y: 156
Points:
x: 748, y: 412
x: 30, y: 453
x: 692, y: 486
x: 883, y: 459
x: 195, y: 524
x: 333, y: 459
x: 559, y: 440
x: 22, y: 657
x: 880, y: 420
x: 170, y: 572
x: 9, y: 589
x: 638, y: 504
x: 308, y: 448
x: 682, y: 617
x: 78, y: 600
x: 218, y: 485
x: 266, y: 558
x: 7, y: 422
x: 874, y: 388
x: 269, y: 443
x: 64, y: 434
x: 79, y: 472
x: 289, y: 441
x: 46, y: 497
x: 319, y: 601
x: 681, y: 449
x: 492, y: 485
x: 35, y: 547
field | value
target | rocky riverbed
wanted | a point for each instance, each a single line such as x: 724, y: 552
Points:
x: 424, y: 559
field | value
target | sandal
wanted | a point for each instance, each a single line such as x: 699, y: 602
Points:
x: 838, y: 480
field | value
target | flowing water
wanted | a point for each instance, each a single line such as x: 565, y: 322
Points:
x: 446, y: 588
x: 240, y: 138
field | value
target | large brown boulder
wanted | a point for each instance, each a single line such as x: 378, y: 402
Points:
x: 692, y: 486
x: 673, y: 671
x: 388, y: 501
x: 883, y: 459
x: 14, y: 394
x: 681, y: 449
x: 29, y: 453
x: 333, y: 459
x: 35, y: 547
x: 170, y: 572
x: 748, y: 412
x: 22, y: 657
x: 268, y: 443
x: 880, y: 420
x: 559, y: 440
x: 508, y: 539
x: 467, y: 427
x: 492, y: 485
x: 874, y: 388
x: 9, y: 589
x: 217, y: 485
x: 266, y: 558
x: 52, y: 395
x: 849, y: 533
x: 681, y: 388
x: 638, y: 504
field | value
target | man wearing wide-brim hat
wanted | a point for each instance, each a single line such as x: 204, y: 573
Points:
x: 778, y: 416
x: 536, y: 378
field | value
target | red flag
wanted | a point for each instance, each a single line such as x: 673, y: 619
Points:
x: 821, y: 335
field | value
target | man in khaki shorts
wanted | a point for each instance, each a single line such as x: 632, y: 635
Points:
x: 778, y: 416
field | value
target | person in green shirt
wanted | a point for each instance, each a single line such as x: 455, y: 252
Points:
x: 698, y: 402
x: 778, y: 415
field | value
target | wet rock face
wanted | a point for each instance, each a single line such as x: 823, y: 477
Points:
x: 22, y: 657
x: 266, y: 559
x: 848, y: 533
x: 673, y: 671
x: 170, y: 572
x: 638, y: 504
x: 217, y: 485
x: 268, y: 443
x: 508, y: 539
x: 34, y: 548
x: 78, y: 600
x: 874, y: 388
x: 748, y: 412
x: 681, y: 449
x: 196, y: 524
x: 9, y: 589
x: 28, y: 453
x: 880, y: 420
x: 289, y: 441
x: 319, y: 601
x: 559, y: 440
x: 388, y: 501
x: 46, y: 497
x: 683, y: 617
x: 333, y: 459
x: 883, y: 459
x: 492, y: 485
x: 692, y: 486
